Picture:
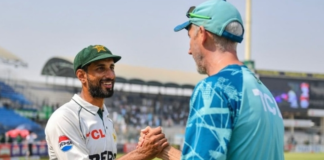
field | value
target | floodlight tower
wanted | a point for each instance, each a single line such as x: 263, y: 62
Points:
x: 248, y: 16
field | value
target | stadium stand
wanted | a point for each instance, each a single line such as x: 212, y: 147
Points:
x: 50, y: 94
x: 8, y: 92
x: 11, y: 120
x: 7, y: 57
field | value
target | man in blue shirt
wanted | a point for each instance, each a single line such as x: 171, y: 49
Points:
x: 233, y: 116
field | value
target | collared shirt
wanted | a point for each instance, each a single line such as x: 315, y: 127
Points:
x: 233, y: 116
x: 76, y: 131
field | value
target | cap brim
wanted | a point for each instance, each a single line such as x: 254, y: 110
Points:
x: 104, y: 56
x: 182, y: 26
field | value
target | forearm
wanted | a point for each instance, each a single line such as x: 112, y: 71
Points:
x: 170, y: 153
x: 135, y: 155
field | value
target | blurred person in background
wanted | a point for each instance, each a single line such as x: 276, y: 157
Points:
x: 2, y: 138
x: 30, y: 139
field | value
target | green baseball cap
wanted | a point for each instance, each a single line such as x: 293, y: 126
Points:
x: 214, y: 15
x: 91, y: 54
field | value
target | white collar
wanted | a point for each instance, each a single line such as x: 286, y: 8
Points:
x: 88, y: 106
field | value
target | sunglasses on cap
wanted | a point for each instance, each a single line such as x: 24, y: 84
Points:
x: 192, y: 15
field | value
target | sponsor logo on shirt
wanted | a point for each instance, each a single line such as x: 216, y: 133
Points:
x: 65, y: 143
x: 96, y: 134
x: 107, y: 155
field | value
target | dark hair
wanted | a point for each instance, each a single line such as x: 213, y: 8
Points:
x: 85, y: 68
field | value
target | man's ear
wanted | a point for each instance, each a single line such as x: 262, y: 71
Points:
x: 81, y: 75
x: 203, y: 34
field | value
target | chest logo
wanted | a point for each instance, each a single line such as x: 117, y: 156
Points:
x: 114, y: 136
x: 96, y: 134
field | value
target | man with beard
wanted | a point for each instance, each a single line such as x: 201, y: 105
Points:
x: 233, y: 116
x: 81, y: 129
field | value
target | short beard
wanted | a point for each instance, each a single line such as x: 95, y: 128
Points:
x: 200, y: 68
x: 96, y: 91
x: 198, y: 57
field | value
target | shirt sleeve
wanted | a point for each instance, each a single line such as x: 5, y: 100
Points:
x: 64, y: 138
x: 209, y: 125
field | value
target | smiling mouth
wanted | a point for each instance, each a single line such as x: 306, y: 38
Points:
x: 107, y: 84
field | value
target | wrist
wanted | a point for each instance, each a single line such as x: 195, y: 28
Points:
x: 163, y: 153
x: 170, y: 153
x: 141, y: 154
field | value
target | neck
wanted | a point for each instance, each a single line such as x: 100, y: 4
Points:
x: 219, y: 60
x: 94, y: 101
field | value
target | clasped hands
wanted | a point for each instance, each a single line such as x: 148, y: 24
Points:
x: 152, y: 142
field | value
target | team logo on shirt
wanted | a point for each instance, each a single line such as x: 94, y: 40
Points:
x: 65, y: 143
x: 114, y: 136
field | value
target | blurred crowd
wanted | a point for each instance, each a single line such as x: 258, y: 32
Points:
x: 137, y: 110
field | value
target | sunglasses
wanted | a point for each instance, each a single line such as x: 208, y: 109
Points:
x: 192, y: 15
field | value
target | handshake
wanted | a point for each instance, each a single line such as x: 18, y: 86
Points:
x: 152, y: 143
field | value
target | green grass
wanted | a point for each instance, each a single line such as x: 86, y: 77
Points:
x: 119, y: 155
x: 304, y: 156
x: 288, y: 156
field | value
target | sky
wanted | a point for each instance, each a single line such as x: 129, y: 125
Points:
x: 286, y: 34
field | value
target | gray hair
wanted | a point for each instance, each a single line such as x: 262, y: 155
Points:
x: 223, y: 43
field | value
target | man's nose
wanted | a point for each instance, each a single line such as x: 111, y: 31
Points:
x: 189, y: 52
x: 110, y: 74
